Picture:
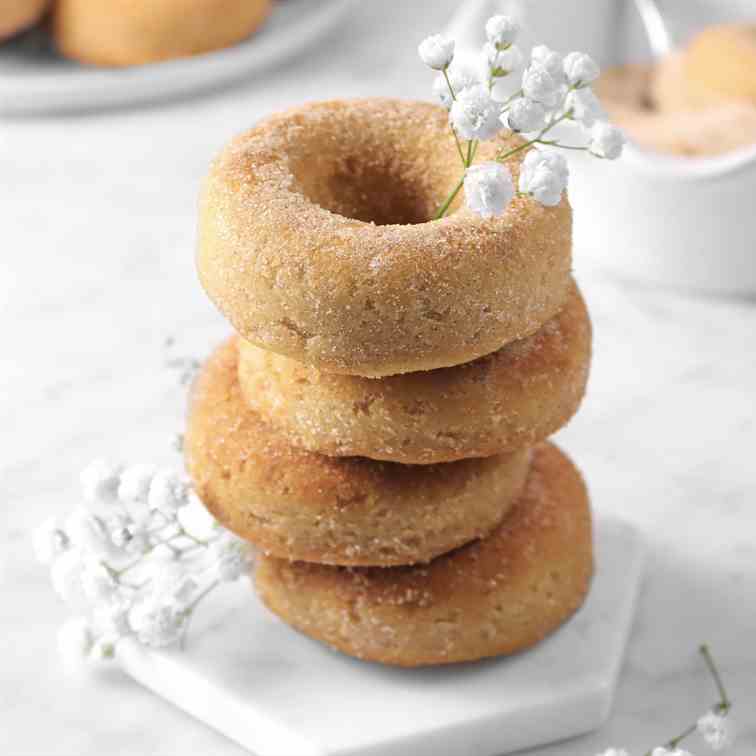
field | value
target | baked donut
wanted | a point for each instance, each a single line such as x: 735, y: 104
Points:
x: 298, y: 505
x: 505, y: 401
x: 133, y: 32
x: 315, y: 241
x: 18, y: 15
x: 492, y: 597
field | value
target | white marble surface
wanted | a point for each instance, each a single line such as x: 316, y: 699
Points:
x: 96, y: 270
x: 249, y: 676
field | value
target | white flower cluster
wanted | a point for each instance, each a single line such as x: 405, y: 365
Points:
x: 553, y: 89
x: 134, y: 559
x: 715, y: 728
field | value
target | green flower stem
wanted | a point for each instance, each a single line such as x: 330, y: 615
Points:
x: 536, y: 140
x: 459, y: 146
x: 721, y: 707
x: 198, y: 541
x: 448, y: 84
x: 472, y: 148
x: 679, y: 739
x: 725, y: 704
x: 511, y: 97
x: 561, y: 146
x: 454, y: 192
x: 454, y: 97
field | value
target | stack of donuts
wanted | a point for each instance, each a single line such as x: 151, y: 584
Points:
x: 377, y: 425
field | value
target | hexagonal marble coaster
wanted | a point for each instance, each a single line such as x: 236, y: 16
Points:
x: 279, y: 693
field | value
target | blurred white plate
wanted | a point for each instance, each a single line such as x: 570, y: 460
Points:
x: 34, y: 79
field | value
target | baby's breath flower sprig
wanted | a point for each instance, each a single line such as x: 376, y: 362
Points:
x: 553, y: 90
x: 714, y: 726
x: 136, y: 560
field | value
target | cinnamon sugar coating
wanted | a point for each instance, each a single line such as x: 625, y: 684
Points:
x: 315, y: 242
x: 128, y: 33
x: 492, y: 597
x: 299, y: 505
x: 505, y: 401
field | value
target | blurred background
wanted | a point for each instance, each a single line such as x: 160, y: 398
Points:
x: 99, y: 176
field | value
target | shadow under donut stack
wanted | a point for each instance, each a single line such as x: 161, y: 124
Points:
x: 377, y: 427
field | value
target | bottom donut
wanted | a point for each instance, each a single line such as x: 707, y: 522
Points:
x: 492, y: 597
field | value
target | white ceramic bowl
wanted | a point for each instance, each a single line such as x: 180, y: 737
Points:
x: 687, y: 223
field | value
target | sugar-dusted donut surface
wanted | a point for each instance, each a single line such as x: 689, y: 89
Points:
x: 127, y: 33
x: 299, y: 505
x: 505, y: 401
x: 316, y: 241
x: 492, y: 597
x: 18, y: 15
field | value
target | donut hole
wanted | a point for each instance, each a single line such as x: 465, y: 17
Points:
x: 380, y: 184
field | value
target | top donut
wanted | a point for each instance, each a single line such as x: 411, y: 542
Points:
x: 315, y: 240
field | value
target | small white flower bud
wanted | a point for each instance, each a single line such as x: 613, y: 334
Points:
x: 502, y: 30
x: 614, y: 752
x: 436, y: 51
x: 661, y: 751
x: 87, y: 533
x: 547, y: 60
x: 168, y: 492
x: 112, y: 619
x: 488, y: 189
x: 580, y: 69
x: 135, y: 484
x: 117, y: 524
x: 525, y: 115
x: 232, y: 557
x: 543, y: 175
x: 139, y: 540
x: 607, y: 141
x: 460, y: 76
x: 585, y: 107
x: 172, y: 584
x: 475, y: 114
x: 716, y: 730
x: 75, y: 641
x: 539, y: 85
x: 49, y: 541
x: 157, y: 624
x: 99, y: 482
x: 97, y: 583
